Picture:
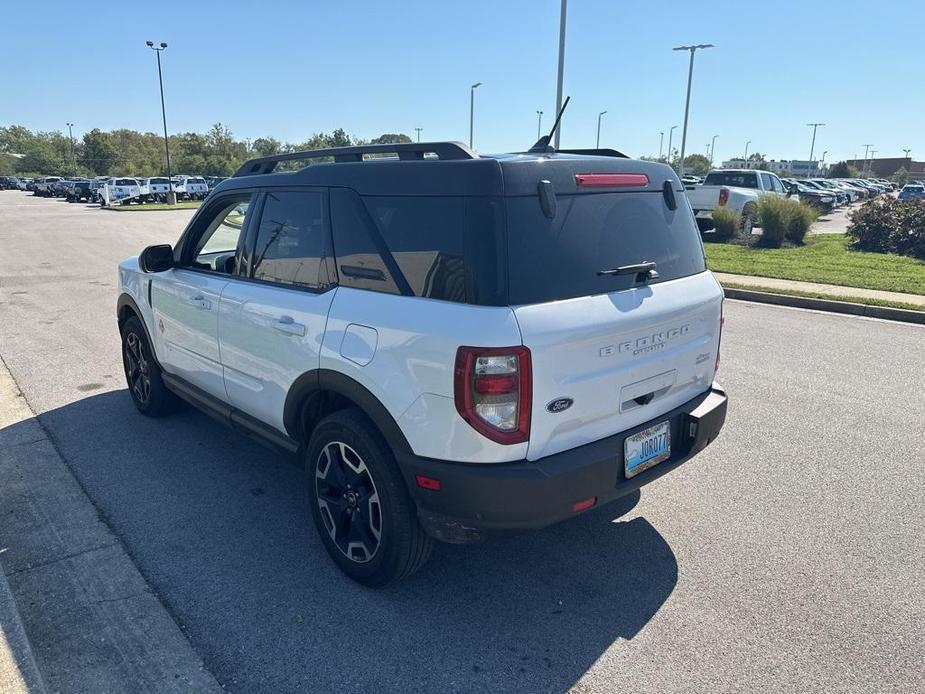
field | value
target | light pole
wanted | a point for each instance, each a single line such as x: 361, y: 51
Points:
x: 70, y: 138
x: 870, y: 163
x: 599, y: 116
x: 907, y: 152
x: 418, y: 131
x: 864, y: 166
x: 712, y: 149
x: 539, y: 123
x: 812, y: 147
x: 563, y: 11
x: 746, y: 153
x: 472, y: 110
x: 670, y: 134
x: 687, y: 103
x: 822, y: 161
x: 171, y: 196
x: 661, y: 143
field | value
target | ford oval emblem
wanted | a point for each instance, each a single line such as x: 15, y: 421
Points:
x: 559, y: 405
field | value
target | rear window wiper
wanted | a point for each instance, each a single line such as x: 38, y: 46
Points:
x: 643, y: 271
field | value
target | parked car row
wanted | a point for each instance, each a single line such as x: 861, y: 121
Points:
x: 106, y: 190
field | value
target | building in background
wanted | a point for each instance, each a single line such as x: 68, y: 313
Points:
x: 886, y: 167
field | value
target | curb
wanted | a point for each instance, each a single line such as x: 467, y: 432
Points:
x: 850, y: 308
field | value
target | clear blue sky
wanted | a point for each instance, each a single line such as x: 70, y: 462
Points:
x: 289, y: 69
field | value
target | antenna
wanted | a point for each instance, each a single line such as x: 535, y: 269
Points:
x: 542, y: 145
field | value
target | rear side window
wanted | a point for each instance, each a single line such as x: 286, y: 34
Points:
x: 559, y: 259
x: 738, y: 179
x: 293, y: 243
x: 446, y: 248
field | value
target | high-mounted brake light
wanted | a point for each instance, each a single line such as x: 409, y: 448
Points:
x: 611, y: 180
x: 723, y: 196
x: 493, y: 391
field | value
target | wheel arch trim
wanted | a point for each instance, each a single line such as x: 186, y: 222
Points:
x: 318, y: 380
x: 126, y: 301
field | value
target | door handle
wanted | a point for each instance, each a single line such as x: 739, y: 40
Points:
x: 285, y: 324
x: 199, y: 301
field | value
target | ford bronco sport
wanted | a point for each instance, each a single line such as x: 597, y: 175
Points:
x: 453, y: 345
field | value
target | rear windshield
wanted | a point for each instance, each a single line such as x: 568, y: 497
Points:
x: 126, y: 182
x: 195, y: 180
x: 158, y: 180
x: 559, y: 259
x: 731, y: 178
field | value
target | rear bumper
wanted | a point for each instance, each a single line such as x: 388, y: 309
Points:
x: 476, y: 500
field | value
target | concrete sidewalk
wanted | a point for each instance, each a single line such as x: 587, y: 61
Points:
x: 829, y: 290
x: 78, y: 615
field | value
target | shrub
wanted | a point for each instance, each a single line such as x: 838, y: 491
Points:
x: 774, y: 216
x: 726, y: 224
x: 783, y: 218
x: 802, y: 217
x: 889, y: 226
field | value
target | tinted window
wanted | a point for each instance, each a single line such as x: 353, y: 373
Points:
x: 739, y: 179
x: 766, y: 183
x: 560, y: 258
x: 158, y: 180
x: 292, y: 245
x: 126, y: 182
x: 446, y: 248
x: 778, y: 186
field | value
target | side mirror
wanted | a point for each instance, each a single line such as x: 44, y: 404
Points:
x: 156, y: 258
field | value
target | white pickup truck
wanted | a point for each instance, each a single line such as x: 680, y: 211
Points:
x: 735, y: 189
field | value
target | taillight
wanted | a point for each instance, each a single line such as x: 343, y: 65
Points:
x: 719, y: 341
x: 493, y: 391
x: 723, y: 196
x: 611, y: 180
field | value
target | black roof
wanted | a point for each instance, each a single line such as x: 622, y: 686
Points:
x: 443, y: 169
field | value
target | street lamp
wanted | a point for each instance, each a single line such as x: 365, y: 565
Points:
x: 864, y: 166
x: 712, y: 149
x: 687, y: 103
x: 661, y: 143
x: 70, y: 137
x: 171, y: 196
x: 822, y: 162
x: 670, y: 133
x: 472, y: 109
x: 418, y: 131
x: 870, y: 164
x: 539, y: 123
x: 907, y: 152
x: 746, y: 153
x: 563, y: 11
x: 814, y: 126
x: 599, y: 116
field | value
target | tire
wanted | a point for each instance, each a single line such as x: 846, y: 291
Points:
x: 748, y: 220
x: 142, y: 374
x: 352, y: 475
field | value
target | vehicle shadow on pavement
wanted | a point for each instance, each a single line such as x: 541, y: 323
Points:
x: 218, y: 525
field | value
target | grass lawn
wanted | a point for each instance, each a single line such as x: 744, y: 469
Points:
x: 824, y: 259
x: 153, y: 206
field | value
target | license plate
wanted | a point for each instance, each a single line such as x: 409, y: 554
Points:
x: 647, y: 448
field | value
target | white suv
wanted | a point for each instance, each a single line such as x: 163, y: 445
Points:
x: 454, y: 345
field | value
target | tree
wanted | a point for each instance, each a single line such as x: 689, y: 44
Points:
x: 842, y: 170
x: 266, y: 146
x: 757, y: 160
x: 99, y: 153
x: 696, y: 164
x: 902, y: 176
x: 390, y: 139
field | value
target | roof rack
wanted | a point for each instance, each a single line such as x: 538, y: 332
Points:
x: 594, y: 152
x: 404, y: 150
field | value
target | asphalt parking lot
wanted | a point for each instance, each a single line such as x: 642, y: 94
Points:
x: 790, y: 556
